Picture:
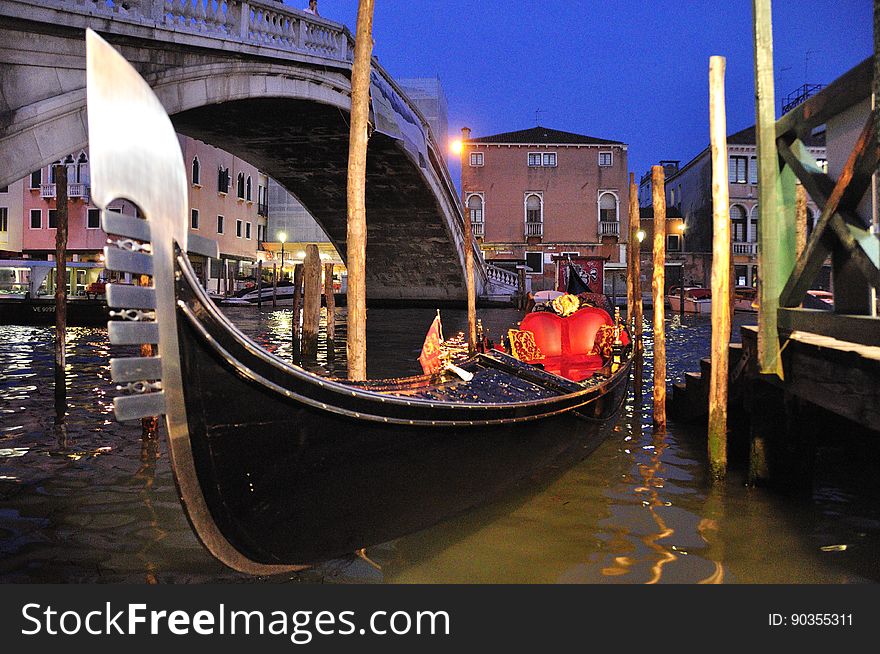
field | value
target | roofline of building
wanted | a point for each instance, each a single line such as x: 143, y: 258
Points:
x: 622, y: 146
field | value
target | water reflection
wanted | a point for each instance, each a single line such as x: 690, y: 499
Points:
x: 97, y: 501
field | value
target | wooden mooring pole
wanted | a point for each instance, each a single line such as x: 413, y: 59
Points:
x: 295, y: 322
x: 274, y: 285
x: 356, y: 232
x: 720, y: 270
x: 776, y: 237
x: 60, y: 292
x: 330, y: 305
x: 658, y: 282
x: 259, y: 284
x: 800, y: 214
x: 311, y: 301
x: 469, y: 282
x: 631, y: 253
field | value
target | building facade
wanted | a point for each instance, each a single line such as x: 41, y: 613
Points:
x: 11, y: 198
x: 228, y: 200
x: 689, y: 194
x: 539, y: 196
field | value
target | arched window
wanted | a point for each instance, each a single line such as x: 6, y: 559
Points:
x: 534, y: 213
x: 475, y: 211
x: 240, y: 186
x: 475, y: 207
x: 82, y: 169
x: 196, y: 171
x: 753, y: 225
x: 738, y: 223
x: 248, y: 195
x: 608, y: 207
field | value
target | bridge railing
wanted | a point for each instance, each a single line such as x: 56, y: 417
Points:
x: 501, y: 276
x: 255, y: 22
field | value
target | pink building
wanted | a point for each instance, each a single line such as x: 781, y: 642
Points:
x: 537, y: 194
x: 227, y: 198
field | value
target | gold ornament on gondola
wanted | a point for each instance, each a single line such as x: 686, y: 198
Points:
x: 567, y: 304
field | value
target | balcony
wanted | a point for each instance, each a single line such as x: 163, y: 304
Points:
x: 748, y: 249
x: 479, y: 229
x: 609, y: 228
x: 534, y: 229
x: 75, y: 190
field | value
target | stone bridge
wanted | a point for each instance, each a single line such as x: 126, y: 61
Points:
x: 270, y: 84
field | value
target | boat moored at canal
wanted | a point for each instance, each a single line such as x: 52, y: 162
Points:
x: 278, y: 467
x: 27, y: 293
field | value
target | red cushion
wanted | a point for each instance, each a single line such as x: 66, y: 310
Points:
x: 582, y: 328
x: 547, y: 328
x: 572, y: 335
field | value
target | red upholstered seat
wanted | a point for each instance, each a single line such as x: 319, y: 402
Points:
x: 567, y: 343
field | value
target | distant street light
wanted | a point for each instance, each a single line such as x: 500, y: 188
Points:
x: 282, y: 237
x: 640, y: 235
x: 456, y: 146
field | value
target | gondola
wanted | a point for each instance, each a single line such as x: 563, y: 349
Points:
x: 276, y: 467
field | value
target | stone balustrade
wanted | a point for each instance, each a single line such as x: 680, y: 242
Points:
x: 256, y: 22
x: 501, y: 276
x: 750, y: 249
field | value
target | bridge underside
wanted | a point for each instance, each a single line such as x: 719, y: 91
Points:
x: 304, y: 146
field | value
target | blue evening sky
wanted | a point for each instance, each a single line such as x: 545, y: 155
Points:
x: 630, y: 70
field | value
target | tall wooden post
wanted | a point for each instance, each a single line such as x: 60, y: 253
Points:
x: 520, y: 287
x: 469, y: 282
x: 297, y: 309
x: 311, y: 301
x: 259, y: 284
x: 632, y: 239
x: 720, y: 270
x: 356, y: 233
x: 274, y: 285
x: 658, y: 282
x: 776, y: 237
x: 60, y: 292
x: 634, y: 228
x: 330, y: 305
x: 800, y: 216
x: 149, y: 424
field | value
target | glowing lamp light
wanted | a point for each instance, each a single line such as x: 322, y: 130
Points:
x: 682, y: 227
x: 282, y: 237
x: 300, y: 255
x: 456, y: 146
x: 640, y: 235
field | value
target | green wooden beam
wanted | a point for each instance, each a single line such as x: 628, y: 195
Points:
x: 776, y: 227
x: 839, y: 225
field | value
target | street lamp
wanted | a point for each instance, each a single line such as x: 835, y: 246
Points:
x: 640, y: 235
x: 282, y: 237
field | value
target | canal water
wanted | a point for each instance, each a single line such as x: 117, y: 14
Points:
x: 94, y: 502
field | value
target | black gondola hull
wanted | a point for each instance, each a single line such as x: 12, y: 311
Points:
x: 290, y: 481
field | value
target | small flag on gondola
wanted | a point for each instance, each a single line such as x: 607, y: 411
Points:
x: 430, y: 356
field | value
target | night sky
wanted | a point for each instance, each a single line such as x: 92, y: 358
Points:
x: 629, y: 70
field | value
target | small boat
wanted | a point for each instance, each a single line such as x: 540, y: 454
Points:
x: 26, y: 300
x: 278, y: 467
x: 696, y: 300
x: 283, y: 294
x: 745, y: 298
